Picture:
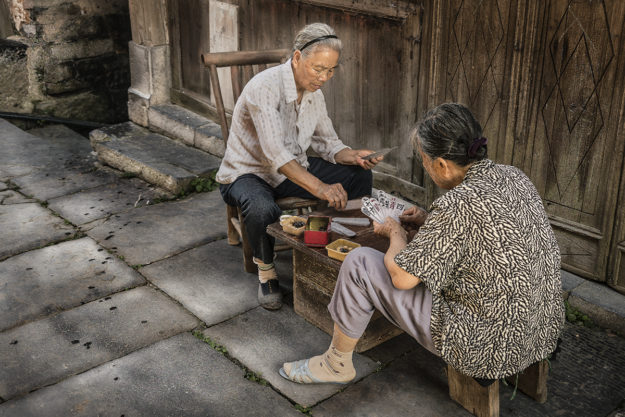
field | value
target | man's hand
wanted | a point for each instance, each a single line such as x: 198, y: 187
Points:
x: 354, y: 157
x: 414, y: 216
x: 389, y: 228
x: 334, y: 194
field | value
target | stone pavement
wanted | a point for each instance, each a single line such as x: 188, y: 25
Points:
x: 118, y: 300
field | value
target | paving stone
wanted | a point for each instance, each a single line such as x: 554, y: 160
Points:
x: 152, y: 233
x: 393, y: 348
x: 3, y: 186
x: 153, y: 157
x: 59, y: 277
x: 23, y: 152
x: 194, y: 380
x: 77, y: 175
x: 99, y: 202
x: 46, y: 351
x: 603, y: 305
x: 29, y: 226
x: 413, y: 385
x: 13, y: 197
x: 209, y: 281
x: 263, y: 340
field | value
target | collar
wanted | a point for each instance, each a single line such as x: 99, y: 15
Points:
x: 288, y: 82
x: 479, y: 168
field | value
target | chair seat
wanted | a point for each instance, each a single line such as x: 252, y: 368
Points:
x: 291, y: 203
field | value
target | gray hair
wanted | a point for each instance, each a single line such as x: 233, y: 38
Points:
x: 449, y: 131
x: 314, y: 31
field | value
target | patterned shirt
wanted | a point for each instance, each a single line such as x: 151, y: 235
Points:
x: 489, y: 256
x: 269, y: 129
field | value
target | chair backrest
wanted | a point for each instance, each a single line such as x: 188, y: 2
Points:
x: 242, y: 69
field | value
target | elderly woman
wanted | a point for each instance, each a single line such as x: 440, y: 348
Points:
x: 279, y: 115
x: 479, y: 285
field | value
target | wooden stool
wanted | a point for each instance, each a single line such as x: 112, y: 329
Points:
x: 484, y: 401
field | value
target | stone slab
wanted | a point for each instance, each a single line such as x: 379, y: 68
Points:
x: 208, y: 138
x: 102, y: 201
x: 413, y: 385
x: 603, y: 305
x: 195, y: 380
x: 13, y: 197
x: 209, y: 281
x: 153, y: 157
x: 46, y: 351
x: 175, y: 122
x: 28, y: 226
x: 23, y: 152
x: 3, y: 186
x: 570, y: 281
x: 74, y: 176
x: 59, y: 277
x: 264, y: 340
x: 152, y: 233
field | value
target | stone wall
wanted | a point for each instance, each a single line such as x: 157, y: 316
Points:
x: 73, y: 62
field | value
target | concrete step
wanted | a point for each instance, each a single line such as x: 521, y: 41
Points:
x: 157, y: 159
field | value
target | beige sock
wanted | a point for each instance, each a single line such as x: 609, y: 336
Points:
x: 265, y: 271
x: 332, y: 366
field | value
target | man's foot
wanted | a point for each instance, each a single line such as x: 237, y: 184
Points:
x: 332, y: 367
x: 270, y: 295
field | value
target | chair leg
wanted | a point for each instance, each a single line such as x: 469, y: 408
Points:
x: 533, y: 381
x: 232, y: 215
x: 248, y: 262
x: 478, y: 400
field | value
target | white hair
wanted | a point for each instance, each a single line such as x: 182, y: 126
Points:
x: 314, y: 31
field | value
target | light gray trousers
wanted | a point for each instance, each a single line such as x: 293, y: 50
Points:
x: 364, y: 285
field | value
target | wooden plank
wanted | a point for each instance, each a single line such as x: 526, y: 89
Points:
x: 478, y: 400
x: 148, y: 20
x: 175, y: 46
x: 390, y: 10
x: 533, y: 381
x: 224, y: 37
x: 243, y: 57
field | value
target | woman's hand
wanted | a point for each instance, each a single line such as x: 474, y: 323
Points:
x: 414, y: 216
x: 354, y: 157
x: 389, y: 228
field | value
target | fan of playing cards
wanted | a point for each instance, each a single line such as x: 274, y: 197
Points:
x: 382, y: 205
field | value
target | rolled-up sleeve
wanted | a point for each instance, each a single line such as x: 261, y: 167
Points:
x: 263, y: 107
x: 325, y: 142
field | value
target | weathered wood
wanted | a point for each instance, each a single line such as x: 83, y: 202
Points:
x: 227, y: 59
x: 533, y: 381
x: 148, y: 22
x: 396, y: 10
x: 478, y: 400
x: 234, y: 225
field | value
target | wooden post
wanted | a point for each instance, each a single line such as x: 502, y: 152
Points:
x: 478, y: 400
x: 533, y: 381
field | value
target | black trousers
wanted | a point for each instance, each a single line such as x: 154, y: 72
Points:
x: 256, y: 198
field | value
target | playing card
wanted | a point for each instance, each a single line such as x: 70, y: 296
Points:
x: 383, y: 205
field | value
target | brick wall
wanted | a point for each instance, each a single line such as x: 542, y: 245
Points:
x: 74, y: 60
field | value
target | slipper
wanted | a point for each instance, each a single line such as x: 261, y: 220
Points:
x: 300, y: 373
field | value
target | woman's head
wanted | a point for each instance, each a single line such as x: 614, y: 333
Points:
x: 450, y: 131
x: 315, y: 56
x: 449, y: 139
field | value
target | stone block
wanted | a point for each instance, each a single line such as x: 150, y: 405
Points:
x: 160, y: 70
x: 81, y: 49
x: 180, y: 376
x: 175, y: 122
x: 570, y: 281
x: 49, y: 350
x: 55, y: 278
x: 137, y: 108
x: 13, y: 79
x: 140, y: 73
x: 12, y: 197
x: 208, y: 138
x: 603, y: 305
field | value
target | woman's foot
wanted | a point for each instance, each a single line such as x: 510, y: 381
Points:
x: 333, y: 367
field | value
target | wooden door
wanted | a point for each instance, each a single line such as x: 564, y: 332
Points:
x: 574, y: 153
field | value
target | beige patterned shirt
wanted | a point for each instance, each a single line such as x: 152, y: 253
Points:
x: 269, y: 129
x: 490, y: 258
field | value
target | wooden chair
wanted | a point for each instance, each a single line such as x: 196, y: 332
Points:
x: 483, y: 401
x: 243, y: 66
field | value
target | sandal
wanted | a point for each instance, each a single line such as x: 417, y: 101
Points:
x: 300, y: 373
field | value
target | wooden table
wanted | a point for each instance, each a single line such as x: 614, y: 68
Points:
x: 315, y: 274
